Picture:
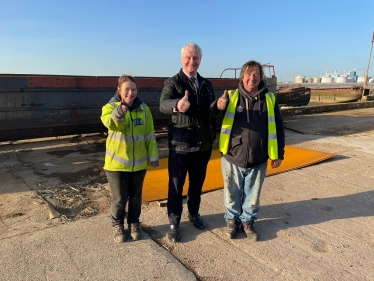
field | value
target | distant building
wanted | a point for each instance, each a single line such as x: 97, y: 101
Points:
x: 316, y: 79
x: 335, y: 77
x: 360, y: 79
x: 327, y: 78
x: 299, y: 79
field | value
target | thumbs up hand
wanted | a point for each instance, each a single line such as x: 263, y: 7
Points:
x: 124, y: 109
x: 183, y: 104
x: 222, y: 101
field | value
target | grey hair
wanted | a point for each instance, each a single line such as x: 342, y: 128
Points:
x: 192, y: 45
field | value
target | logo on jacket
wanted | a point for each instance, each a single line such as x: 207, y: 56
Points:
x: 138, y: 121
x: 240, y: 108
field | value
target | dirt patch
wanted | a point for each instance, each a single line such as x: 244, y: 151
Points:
x: 61, y: 153
x: 73, y: 177
x: 84, y: 198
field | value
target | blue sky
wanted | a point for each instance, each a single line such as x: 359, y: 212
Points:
x: 144, y: 38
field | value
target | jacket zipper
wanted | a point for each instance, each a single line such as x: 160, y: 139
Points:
x: 198, y: 109
x: 133, y: 143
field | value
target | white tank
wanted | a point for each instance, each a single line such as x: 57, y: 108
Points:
x: 341, y: 79
x: 326, y: 79
x: 360, y: 79
x: 316, y: 79
x: 299, y: 79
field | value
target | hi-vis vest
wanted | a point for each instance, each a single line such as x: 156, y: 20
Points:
x: 228, y: 121
x: 131, y: 140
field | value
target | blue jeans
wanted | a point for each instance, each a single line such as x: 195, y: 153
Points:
x: 242, y: 188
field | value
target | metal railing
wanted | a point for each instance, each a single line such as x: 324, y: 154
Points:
x: 235, y: 69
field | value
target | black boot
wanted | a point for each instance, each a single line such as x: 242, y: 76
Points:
x: 197, y: 221
x: 173, y: 233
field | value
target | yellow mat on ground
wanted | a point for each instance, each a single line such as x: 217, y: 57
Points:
x: 156, y: 180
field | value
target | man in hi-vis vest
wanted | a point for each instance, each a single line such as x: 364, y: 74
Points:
x: 252, y: 132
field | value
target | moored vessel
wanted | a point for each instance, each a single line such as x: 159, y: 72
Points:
x: 336, y: 95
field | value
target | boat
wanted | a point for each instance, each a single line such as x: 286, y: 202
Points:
x: 293, y: 95
x: 336, y: 95
x: 38, y: 106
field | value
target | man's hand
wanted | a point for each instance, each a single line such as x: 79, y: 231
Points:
x: 222, y: 101
x: 276, y: 163
x: 183, y: 104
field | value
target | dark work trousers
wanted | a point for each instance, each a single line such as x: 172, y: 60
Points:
x: 125, y: 186
x: 195, y: 163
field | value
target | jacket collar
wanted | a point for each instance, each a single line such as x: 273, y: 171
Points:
x: 262, y: 90
x: 137, y: 102
x: 185, y: 78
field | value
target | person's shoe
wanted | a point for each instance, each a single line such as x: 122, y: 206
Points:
x: 249, y: 231
x: 232, y: 229
x: 197, y: 221
x: 119, y: 234
x: 173, y: 233
x: 135, y: 231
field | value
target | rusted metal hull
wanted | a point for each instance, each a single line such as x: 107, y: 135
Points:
x: 33, y: 106
x: 37, y: 106
x: 293, y: 96
x: 336, y: 95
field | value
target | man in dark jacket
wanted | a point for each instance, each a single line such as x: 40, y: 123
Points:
x: 252, y: 132
x: 191, y: 132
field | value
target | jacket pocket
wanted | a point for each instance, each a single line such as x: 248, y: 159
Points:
x: 180, y: 136
x: 235, y: 142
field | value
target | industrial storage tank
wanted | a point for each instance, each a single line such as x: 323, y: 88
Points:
x: 360, y: 79
x: 316, y: 79
x: 341, y: 79
x: 326, y: 79
x: 299, y: 79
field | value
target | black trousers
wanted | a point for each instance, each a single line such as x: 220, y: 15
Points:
x: 195, y: 164
x: 125, y: 186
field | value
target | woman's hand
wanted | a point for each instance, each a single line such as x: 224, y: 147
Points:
x: 124, y: 109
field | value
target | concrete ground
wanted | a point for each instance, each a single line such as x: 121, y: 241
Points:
x: 315, y: 223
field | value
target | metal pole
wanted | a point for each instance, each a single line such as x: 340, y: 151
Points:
x: 367, y: 69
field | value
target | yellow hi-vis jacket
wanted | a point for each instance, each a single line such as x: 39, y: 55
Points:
x: 228, y: 121
x: 131, y: 140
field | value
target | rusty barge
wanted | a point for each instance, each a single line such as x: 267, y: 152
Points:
x: 36, y: 106
x: 336, y: 95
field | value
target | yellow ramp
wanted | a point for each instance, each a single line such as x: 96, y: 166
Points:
x: 156, y: 180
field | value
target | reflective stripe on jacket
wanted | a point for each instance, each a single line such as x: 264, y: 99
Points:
x: 228, y: 122
x: 131, y: 141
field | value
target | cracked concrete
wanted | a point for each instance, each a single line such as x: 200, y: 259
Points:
x: 315, y: 223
